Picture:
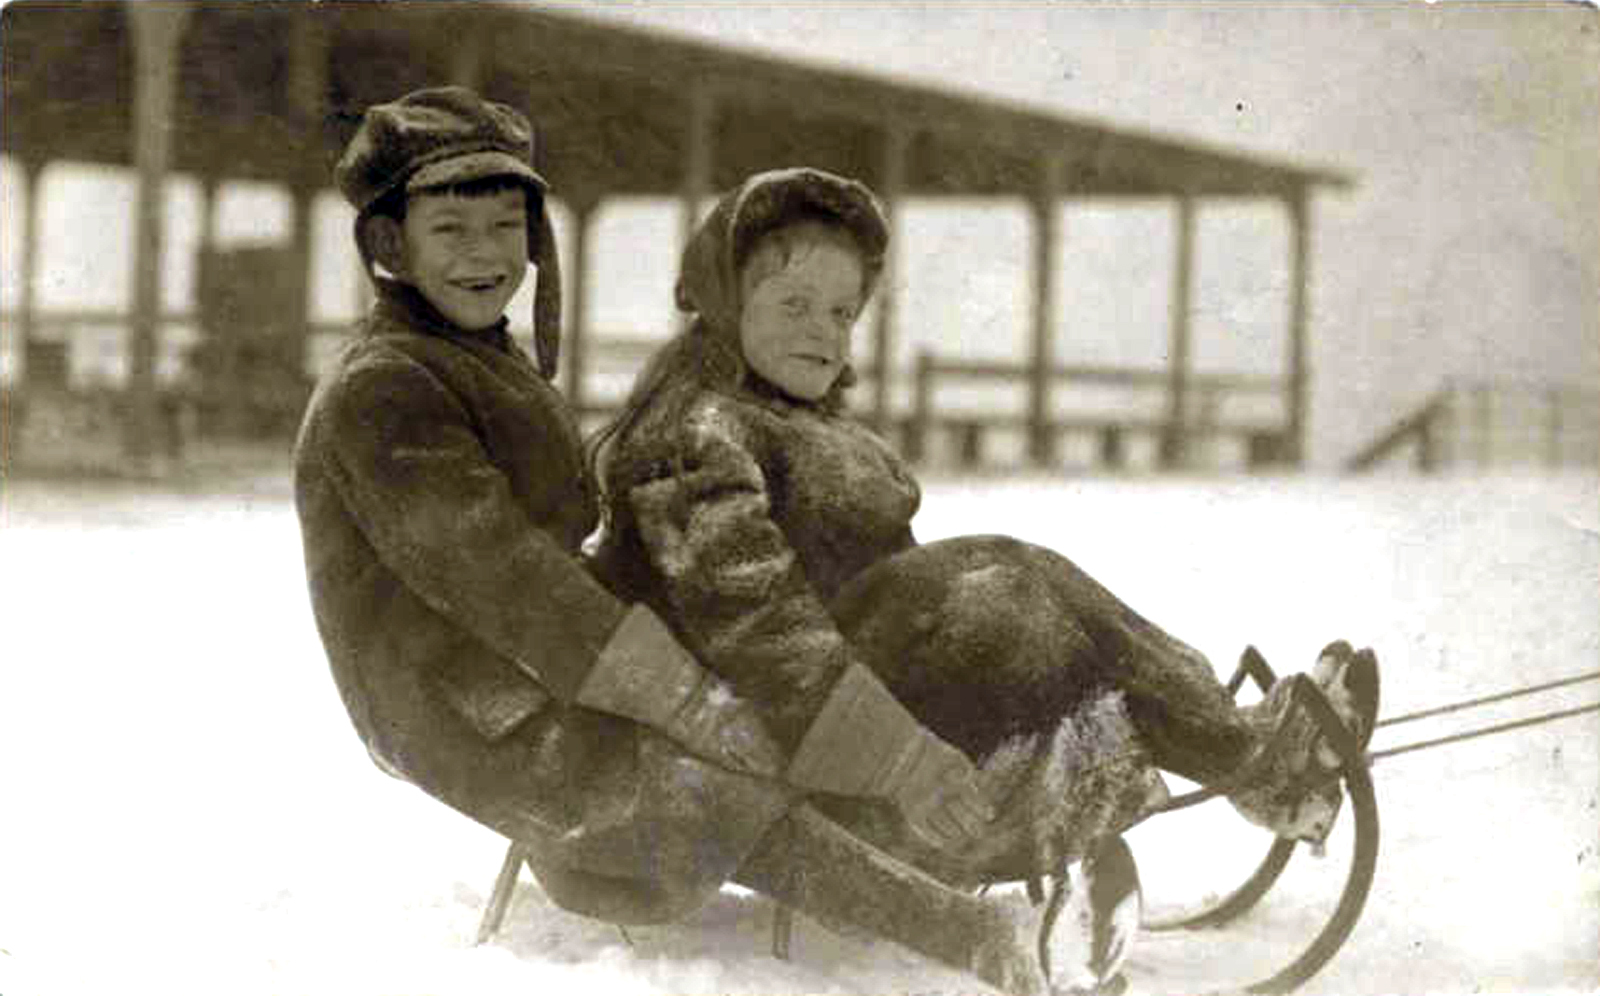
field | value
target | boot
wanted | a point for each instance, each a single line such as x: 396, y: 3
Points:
x: 1297, y: 793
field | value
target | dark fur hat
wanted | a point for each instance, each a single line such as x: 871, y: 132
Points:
x: 443, y: 137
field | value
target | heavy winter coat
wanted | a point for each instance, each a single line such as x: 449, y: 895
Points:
x: 442, y: 498
x: 775, y: 535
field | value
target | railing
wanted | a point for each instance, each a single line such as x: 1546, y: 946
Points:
x: 1263, y: 439
x: 84, y: 352
x: 1485, y: 424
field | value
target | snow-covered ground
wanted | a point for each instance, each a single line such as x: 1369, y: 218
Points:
x: 184, y: 808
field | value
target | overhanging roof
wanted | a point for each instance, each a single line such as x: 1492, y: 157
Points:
x: 271, y: 91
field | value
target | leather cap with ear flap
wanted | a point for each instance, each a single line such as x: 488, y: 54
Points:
x: 546, y: 292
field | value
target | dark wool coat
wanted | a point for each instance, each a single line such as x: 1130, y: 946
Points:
x: 442, y: 498
x: 775, y: 536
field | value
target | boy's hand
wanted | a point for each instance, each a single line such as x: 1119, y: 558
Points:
x: 863, y: 742
x: 936, y: 788
x: 646, y: 675
x: 720, y: 727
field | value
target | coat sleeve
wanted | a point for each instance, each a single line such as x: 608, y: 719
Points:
x: 732, y: 581
x: 404, y: 457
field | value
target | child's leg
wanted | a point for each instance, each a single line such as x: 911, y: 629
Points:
x: 985, y: 637
x: 812, y: 865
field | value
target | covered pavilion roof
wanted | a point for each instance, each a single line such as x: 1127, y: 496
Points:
x: 270, y: 91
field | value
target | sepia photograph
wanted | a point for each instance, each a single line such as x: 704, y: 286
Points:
x: 668, y: 497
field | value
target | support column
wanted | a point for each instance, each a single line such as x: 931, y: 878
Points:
x: 157, y: 29
x: 14, y: 403
x: 1041, y: 360
x: 892, y: 182
x: 299, y: 328
x: 466, y: 61
x: 1174, y: 439
x: 1294, y: 448
x: 1483, y: 423
x: 697, y: 164
x: 208, y: 213
x: 308, y: 95
x: 575, y: 348
x: 1553, y: 427
x: 27, y: 304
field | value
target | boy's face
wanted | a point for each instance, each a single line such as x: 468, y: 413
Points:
x: 794, y: 327
x: 467, y: 255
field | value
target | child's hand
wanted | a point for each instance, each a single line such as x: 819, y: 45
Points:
x: 724, y: 729
x: 937, y: 792
x: 643, y: 673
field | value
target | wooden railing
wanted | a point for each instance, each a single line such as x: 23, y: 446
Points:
x: 1140, y: 415
x: 1488, y: 424
x: 1418, y: 429
x: 1264, y: 442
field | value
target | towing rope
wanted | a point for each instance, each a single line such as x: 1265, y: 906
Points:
x: 1485, y: 731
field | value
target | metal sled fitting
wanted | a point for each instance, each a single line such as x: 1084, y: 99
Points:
x: 1354, y: 771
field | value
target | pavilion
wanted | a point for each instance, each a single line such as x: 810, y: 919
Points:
x: 269, y: 91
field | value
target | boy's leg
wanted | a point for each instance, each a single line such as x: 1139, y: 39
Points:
x: 625, y: 901
x: 811, y: 864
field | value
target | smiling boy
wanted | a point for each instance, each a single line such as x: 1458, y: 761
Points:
x: 464, y: 248
x: 442, y: 498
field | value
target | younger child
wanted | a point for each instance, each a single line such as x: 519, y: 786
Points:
x: 774, y: 534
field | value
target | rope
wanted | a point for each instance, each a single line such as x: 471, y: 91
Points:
x: 1485, y: 731
x: 1485, y: 700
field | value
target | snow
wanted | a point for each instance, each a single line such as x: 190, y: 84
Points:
x: 186, y: 809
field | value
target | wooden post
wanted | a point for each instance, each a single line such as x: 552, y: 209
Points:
x: 1046, y: 249
x: 1443, y: 427
x: 697, y: 164
x: 208, y: 213
x: 466, y: 60
x: 306, y: 82
x: 27, y: 306
x: 1174, y: 438
x: 575, y: 350
x: 1554, y: 428
x: 14, y: 403
x: 157, y: 29
x: 883, y: 338
x: 1299, y: 291
x: 916, y: 441
x: 299, y: 305
x: 307, y: 85
x: 1483, y: 395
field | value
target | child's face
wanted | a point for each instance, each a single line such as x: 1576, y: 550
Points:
x: 794, y: 328
x: 467, y: 255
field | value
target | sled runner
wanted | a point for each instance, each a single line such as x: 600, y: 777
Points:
x: 1357, y: 761
x: 1354, y: 770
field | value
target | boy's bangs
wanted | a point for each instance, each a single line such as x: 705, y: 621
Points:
x: 485, y: 186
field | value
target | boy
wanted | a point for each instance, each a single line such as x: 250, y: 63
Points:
x: 442, y: 498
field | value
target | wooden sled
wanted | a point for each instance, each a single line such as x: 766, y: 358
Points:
x: 1355, y: 774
